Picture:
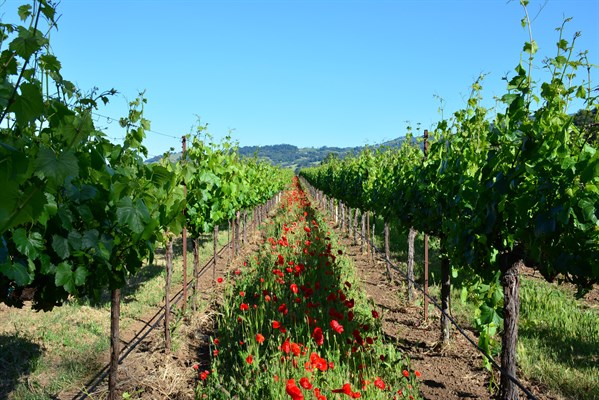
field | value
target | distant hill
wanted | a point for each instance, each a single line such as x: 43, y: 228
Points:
x: 289, y: 156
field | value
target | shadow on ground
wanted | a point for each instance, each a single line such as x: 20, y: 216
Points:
x: 18, y: 356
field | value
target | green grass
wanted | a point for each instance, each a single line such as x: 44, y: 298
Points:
x: 45, y: 353
x: 558, y: 334
x: 559, y: 341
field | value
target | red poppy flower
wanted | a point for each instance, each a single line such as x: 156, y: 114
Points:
x: 249, y: 359
x: 294, y: 288
x: 276, y: 324
x: 318, y: 362
x: 317, y: 336
x: 204, y: 375
x: 259, y: 338
x: 318, y: 395
x: 286, y: 346
x: 219, y: 280
x: 295, y: 349
x: 305, y: 383
x: 244, y: 307
x: 346, y: 389
x: 336, y: 326
x: 405, y: 373
x: 417, y: 373
x: 375, y: 314
x: 378, y: 382
x: 293, y: 391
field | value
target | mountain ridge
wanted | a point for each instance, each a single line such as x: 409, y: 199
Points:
x: 291, y: 156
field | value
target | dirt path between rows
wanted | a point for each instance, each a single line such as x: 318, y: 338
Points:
x: 453, y: 372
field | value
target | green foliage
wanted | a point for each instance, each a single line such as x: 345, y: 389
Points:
x: 524, y: 183
x: 220, y: 183
x: 80, y: 213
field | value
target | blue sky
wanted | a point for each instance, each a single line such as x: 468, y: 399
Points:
x: 304, y: 72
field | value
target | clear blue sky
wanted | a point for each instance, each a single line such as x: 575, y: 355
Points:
x: 304, y: 72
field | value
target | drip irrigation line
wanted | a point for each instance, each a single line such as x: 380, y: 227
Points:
x: 453, y: 321
x: 141, y: 335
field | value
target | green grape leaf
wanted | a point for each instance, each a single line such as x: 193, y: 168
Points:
x: 28, y: 245
x: 133, y: 215
x: 61, y: 246
x: 81, y: 273
x: 29, y: 104
x: 489, y: 315
x: 16, y: 272
x: 24, y: 11
x: 64, y: 277
x: 27, y: 42
x: 588, y: 209
x: 57, y: 167
x: 31, y: 206
x: 90, y: 239
x: 50, y: 63
x: 75, y: 240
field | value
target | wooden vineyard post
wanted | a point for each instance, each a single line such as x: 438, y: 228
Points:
x: 411, y: 239
x: 363, y: 237
x: 425, y: 243
x: 355, y: 226
x: 425, y: 276
x: 336, y: 213
x: 214, y: 251
x: 237, y: 224
x: 115, y: 345
x: 245, y: 222
x: 368, y: 233
x: 349, y: 222
x: 373, y: 236
x: 445, y: 297
x: 196, y: 272
x: 167, y: 296
x: 510, y: 264
x: 387, y: 256
x: 230, y: 241
x: 184, y: 239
